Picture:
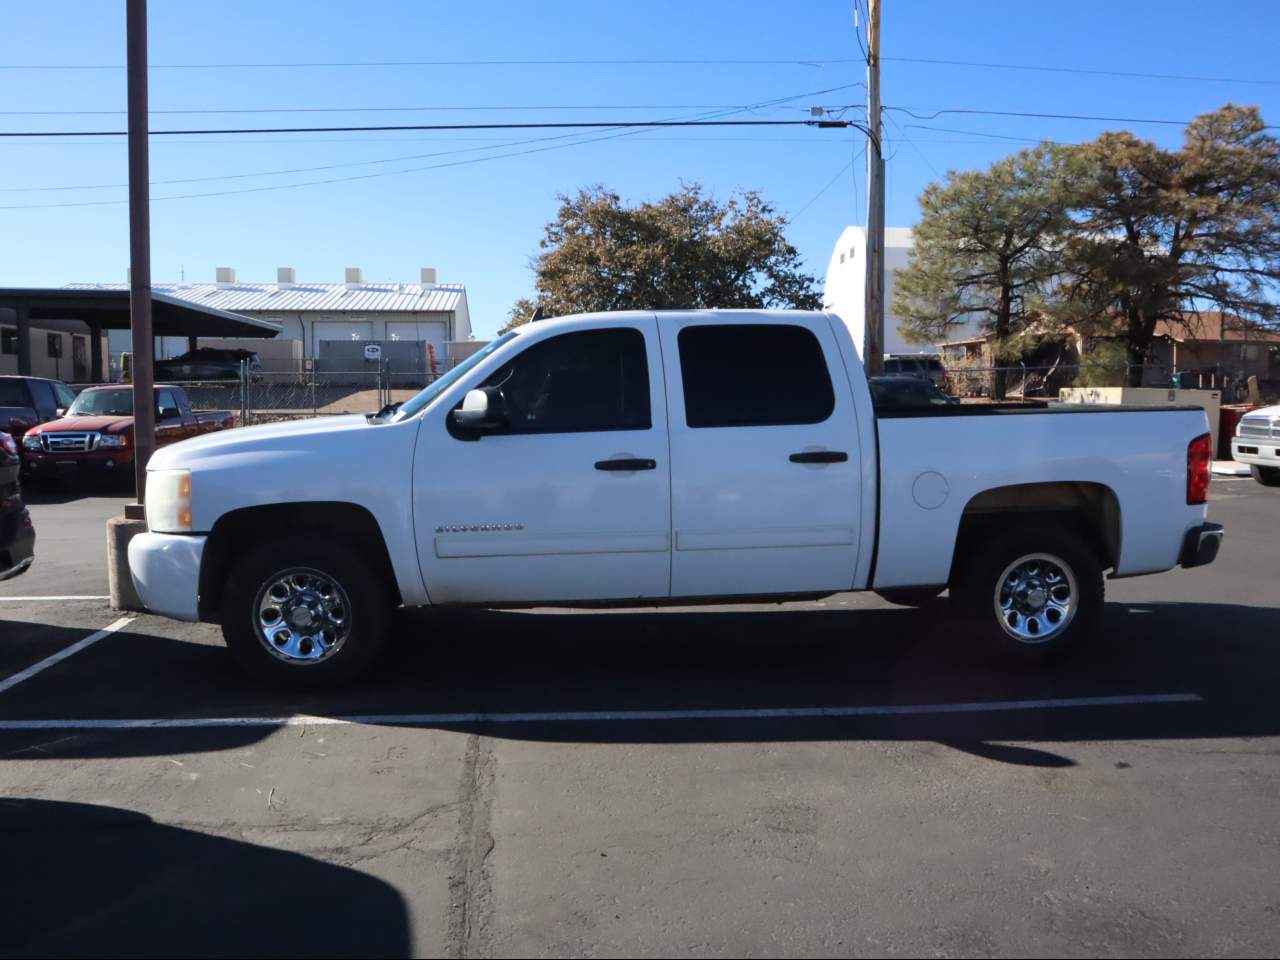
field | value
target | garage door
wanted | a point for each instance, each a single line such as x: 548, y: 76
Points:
x: 345, y: 331
x: 429, y: 331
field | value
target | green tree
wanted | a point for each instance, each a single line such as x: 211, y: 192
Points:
x: 1160, y: 234
x: 986, y: 248
x: 686, y: 250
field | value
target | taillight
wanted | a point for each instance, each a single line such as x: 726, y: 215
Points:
x: 7, y: 445
x: 1199, y: 462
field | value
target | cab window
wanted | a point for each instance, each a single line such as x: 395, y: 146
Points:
x: 588, y: 380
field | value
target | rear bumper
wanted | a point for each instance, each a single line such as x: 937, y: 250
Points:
x: 17, y: 544
x: 1200, y: 545
x: 166, y: 572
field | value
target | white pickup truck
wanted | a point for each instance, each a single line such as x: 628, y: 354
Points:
x: 640, y: 458
x: 1257, y: 443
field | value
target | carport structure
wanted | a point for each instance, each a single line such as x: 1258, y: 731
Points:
x: 93, y: 311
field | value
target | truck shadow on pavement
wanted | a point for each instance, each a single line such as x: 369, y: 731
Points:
x: 87, y: 880
x: 495, y: 662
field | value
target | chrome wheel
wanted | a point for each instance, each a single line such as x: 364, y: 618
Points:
x: 302, y: 616
x: 1036, y: 598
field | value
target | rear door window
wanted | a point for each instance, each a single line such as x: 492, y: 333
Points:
x: 13, y: 394
x: 43, y: 396
x: 753, y: 375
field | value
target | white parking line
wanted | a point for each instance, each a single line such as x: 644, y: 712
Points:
x: 598, y: 716
x: 30, y: 599
x: 61, y: 655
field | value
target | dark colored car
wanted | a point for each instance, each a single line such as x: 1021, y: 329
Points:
x: 206, y: 363
x: 17, y: 535
x: 27, y: 401
x: 907, y: 393
x: 922, y: 365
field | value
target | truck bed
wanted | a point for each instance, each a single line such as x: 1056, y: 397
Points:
x: 930, y: 471
x: 1026, y: 409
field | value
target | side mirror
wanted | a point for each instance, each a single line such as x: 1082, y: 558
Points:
x: 60, y: 412
x: 482, y: 411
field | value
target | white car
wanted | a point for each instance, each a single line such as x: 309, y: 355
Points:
x: 1257, y: 443
x: 646, y: 458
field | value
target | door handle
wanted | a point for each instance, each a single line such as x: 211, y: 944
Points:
x: 625, y: 463
x: 820, y: 456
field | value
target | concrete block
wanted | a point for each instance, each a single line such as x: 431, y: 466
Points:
x: 1229, y: 468
x: 120, y: 530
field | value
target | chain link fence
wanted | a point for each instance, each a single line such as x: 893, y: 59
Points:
x: 1039, y: 382
x: 267, y: 396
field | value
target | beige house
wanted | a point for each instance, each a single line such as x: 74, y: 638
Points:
x: 1193, y: 346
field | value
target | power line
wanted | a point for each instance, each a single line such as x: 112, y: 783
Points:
x: 977, y: 133
x: 912, y: 143
x: 857, y: 29
x: 720, y: 62
x: 443, y: 139
x: 857, y: 154
x: 642, y: 128
x: 814, y: 199
x: 567, y: 125
x: 1083, y: 70
x: 1043, y: 116
x: 330, y: 180
x: 477, y: 109
x: 677, y: 121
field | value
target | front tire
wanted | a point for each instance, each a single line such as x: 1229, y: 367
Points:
x: 1267, y: 476
x: 304, y: 611
x: 1031, y: 592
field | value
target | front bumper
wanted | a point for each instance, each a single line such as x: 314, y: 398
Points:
x: 1258, y: 453
x: 166, y: 572
x: 1200, y: 545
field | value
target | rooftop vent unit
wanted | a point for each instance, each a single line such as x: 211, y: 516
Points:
x: 286, y: 277
x: 355, y: 277
x: 225, y: 276
x: 428, y: 275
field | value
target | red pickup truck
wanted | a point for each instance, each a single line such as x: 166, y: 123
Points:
x: 96, y: 434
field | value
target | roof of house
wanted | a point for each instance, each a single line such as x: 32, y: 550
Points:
x: 1208, y: 325
x: 1205, y: 326
x: 269, y: 297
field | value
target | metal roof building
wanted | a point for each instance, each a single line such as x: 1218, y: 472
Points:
x: 331, y: 322
x: 36, y: 324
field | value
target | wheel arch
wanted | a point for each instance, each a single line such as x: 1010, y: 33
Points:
x: 238, y: 530
x: 1094, y: 506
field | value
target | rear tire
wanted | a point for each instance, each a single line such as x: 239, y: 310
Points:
x: 1267, y: 476
x: 1031, y: 592
x: 305, y: 611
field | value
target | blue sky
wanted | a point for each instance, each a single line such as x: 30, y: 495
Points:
x: 480, y: 222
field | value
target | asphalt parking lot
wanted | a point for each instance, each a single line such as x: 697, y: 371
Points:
x: 835, y: 778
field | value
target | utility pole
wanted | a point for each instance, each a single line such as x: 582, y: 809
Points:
x: 873, y: 329
x: 144, y: 405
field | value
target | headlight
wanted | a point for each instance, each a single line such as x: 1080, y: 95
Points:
x: 31, y: 442
x: 169, y: 501
x: 111, y: 440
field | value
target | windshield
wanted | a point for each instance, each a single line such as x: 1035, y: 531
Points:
x: 99, y: 403
x: 420, y: 401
